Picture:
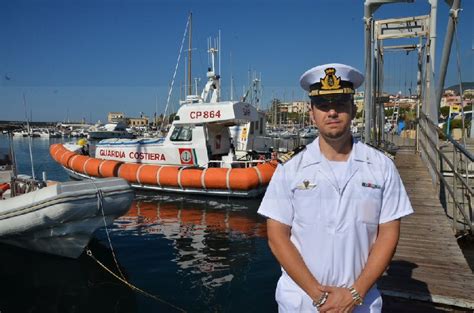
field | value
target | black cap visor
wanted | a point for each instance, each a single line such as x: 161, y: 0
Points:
x: 333, y: 98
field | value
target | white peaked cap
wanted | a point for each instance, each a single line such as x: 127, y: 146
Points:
x: 332, y: 78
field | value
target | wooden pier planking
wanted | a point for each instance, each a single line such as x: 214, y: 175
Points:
x: 429, y: 264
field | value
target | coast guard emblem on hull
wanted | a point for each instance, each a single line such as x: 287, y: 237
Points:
x: 306, y: 185
x: 330, y: 81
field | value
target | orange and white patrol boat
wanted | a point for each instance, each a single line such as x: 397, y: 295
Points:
x: 197, y: 155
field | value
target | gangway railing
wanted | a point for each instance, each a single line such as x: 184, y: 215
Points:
x: 457, y: 195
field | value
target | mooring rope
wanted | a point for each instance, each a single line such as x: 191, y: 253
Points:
x: 100, y: 206
x: 100, y: 203
x: 133, y: 287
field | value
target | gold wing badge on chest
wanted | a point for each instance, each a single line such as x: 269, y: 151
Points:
x: 305, y: 185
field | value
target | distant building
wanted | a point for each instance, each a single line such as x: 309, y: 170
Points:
x: 403, y: 103
x: 454, y: 101
x: 468, y: 93
x: 297, y: 106
x: 359, y: 100
x: 137, y: 121
x: 115, y: 117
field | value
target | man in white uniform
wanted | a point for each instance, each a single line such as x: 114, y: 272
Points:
x: 333, y: 209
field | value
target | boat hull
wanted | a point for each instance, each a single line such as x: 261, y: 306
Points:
x: 235, y: 182
x: 61, y: 219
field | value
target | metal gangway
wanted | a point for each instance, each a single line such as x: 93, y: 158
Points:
x: 429, y: 271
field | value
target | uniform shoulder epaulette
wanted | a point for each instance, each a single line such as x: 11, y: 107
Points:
x: 282, y: 159
x: 387, y: 153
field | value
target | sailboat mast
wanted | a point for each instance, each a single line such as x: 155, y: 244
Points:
x: 30, y: 134
x: 190, y: 85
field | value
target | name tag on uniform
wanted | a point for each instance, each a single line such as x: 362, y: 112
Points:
x: 306, y: 185
x: 370, y: 185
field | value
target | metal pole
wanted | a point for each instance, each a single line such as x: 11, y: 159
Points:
x: 375, y: 88
x: 448, y: 40
x: 418, y: 95
x: 432, y: 106
x: 368, y: 70
x: 190, y: 83
x: 455, y: 209
x: 380, y: 80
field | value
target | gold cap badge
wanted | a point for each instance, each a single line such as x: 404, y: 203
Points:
x: 330, y: 81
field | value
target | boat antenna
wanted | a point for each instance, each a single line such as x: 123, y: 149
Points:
x: 219, y: 71
x: 231, y: 80
x: 190, y: 39
x: 176, y: 67
x: 29, y: 139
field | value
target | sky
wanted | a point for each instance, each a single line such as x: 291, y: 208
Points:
x: 70, y: 60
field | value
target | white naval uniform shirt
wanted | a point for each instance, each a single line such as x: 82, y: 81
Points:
x: 333, y: 227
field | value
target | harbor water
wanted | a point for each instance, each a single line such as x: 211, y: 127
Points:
x: 188, y: 253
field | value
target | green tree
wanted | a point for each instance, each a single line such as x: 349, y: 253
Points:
x: 444, y: 111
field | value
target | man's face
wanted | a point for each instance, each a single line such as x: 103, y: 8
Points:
x: 332, y: 115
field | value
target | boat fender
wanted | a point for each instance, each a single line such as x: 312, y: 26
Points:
x: 282, y: 159
x: 4, y: 187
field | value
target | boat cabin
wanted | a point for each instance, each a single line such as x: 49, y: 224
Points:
x: 199, y: 136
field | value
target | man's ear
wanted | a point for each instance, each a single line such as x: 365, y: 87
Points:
x: 354, y: 111
x: 311, y: 114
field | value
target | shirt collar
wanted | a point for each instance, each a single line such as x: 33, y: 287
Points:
x: 313, y: 153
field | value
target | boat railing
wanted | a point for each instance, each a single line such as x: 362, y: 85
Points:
x: 455, y: 171
x: 236, y: 163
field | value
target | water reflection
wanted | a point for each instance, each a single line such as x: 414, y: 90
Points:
x: 34, y: 282
x: 209, y: 236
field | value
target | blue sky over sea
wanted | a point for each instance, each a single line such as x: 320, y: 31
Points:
x: 63, y: 59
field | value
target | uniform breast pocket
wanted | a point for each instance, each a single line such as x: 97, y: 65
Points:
x: 307, y: 205
x: 369, y: 205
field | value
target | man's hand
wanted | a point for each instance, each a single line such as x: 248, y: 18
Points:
x: 339, y: 300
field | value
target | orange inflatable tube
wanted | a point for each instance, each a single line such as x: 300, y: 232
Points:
x: 167, y: 176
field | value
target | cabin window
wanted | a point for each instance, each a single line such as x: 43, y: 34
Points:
x: 182, y: 133
x: 252, y: 126
x: 261, y: 126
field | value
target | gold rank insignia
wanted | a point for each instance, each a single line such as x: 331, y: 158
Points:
x: 306, y: 185
x: 330, y: 81
x: 282, y: 159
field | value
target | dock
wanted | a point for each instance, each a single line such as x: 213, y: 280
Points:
x: 429, y: 268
